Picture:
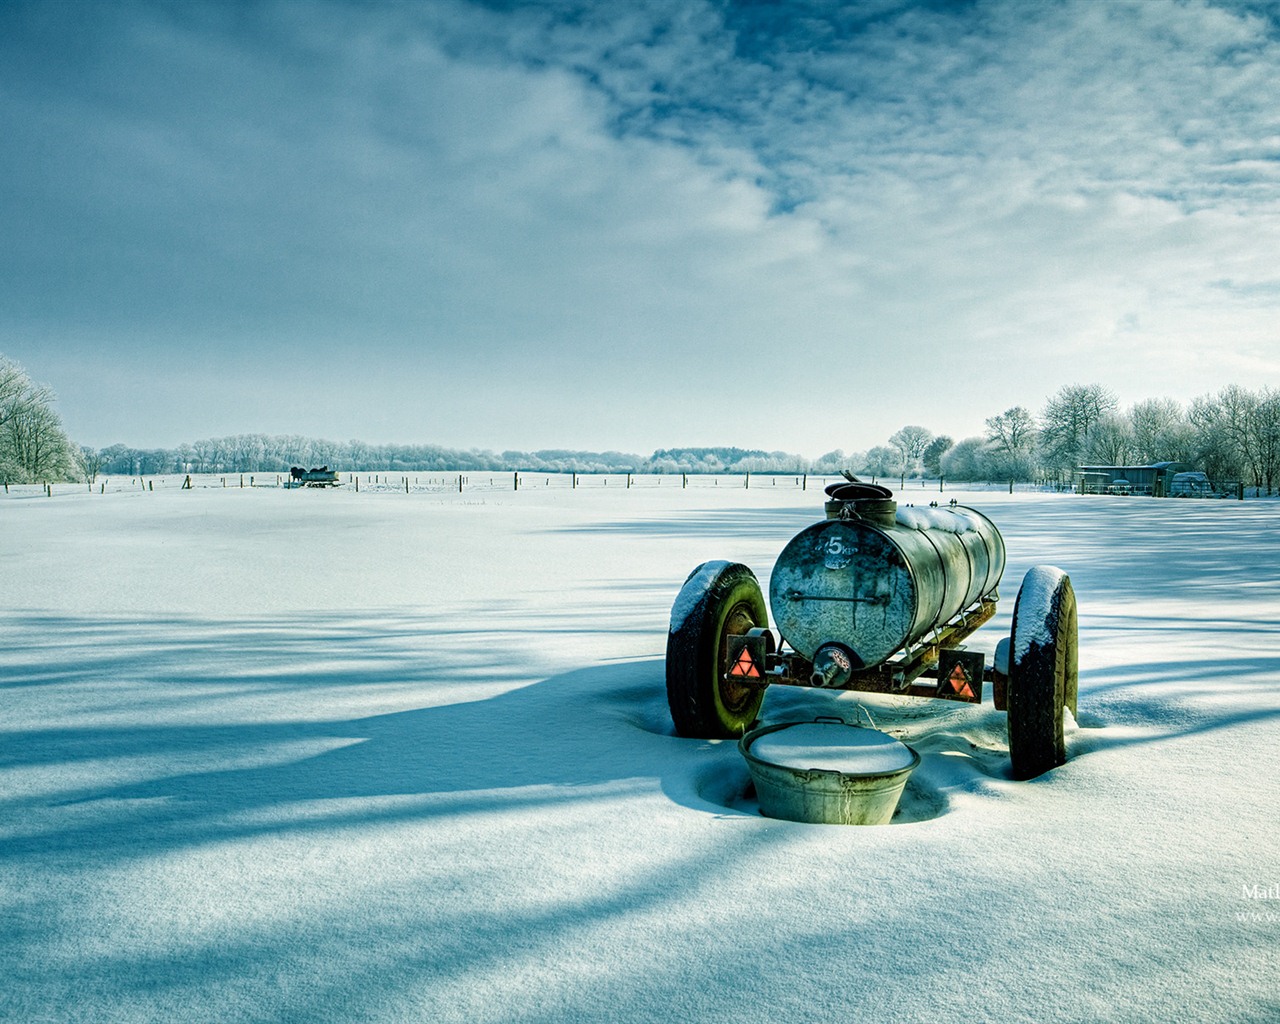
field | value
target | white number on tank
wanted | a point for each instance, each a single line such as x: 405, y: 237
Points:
x: 838, y: 551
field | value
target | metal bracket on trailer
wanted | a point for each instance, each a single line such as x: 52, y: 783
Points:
x: 789, y: 668
x: 747, y: 656
x: 960, y: 675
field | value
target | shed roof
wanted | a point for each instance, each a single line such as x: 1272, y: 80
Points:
x: 1124, y: 469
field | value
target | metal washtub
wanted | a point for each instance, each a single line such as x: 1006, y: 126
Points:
x: 827, y: 772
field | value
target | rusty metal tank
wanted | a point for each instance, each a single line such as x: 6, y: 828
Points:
x: 851, y: 591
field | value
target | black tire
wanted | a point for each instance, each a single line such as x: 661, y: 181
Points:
x: 1043, y: 671
x: 717, y: 600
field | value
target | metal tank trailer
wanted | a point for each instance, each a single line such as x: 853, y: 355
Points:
x: 878, y: 599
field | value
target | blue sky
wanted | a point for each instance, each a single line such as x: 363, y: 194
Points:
x: 793, y: 226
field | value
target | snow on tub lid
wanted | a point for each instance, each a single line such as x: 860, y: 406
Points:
x: 832, y: 747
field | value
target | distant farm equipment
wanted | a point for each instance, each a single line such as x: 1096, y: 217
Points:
x: 1195, y: 485
x: 322, y: 477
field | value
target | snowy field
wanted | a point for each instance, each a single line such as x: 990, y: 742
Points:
x: 309, y: 755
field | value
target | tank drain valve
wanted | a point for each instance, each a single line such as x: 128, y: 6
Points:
x: 832, y: 666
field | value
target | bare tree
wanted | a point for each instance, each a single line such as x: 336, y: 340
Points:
x: 359, y: 452
x: 910, y: 443
x: 879, y: 461
x: 965, y: 460
x: 1014, y: 430
x: 1011, y: 444
x: 1214, y: 445
x: 204, y: 456
x: 91, y: 462
x: 1159, y: 431
x: 1237, y: 434
x: 19, y: 392
x: 1110, y: 441
x: 1238, y: 414
x: 1268, y: 428
x: 33, y: 445
x: 1067, y: 420
x: 931, y: 457
x: 14, y: 386
x: 1234, y: 434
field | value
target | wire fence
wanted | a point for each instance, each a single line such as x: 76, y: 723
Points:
x: 912, y: 489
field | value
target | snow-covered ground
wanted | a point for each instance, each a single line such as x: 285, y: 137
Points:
x: 272, y: 755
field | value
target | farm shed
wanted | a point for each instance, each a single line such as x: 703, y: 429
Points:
x: 1152, y: 479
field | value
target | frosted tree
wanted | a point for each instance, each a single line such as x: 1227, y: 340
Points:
x: 1159, y: 431
x: 90, y: 462
x: 1011, y: 444
x: 880, y: 461
x: 1237, y: 434
x: 965, y: 460
x: 1268, y: 427
x: 16, y: 390
x: 1110, y: 441
x: 931, y: 457
x: 33, y: 445
x: 1068, y: 419
x: 910, y: 443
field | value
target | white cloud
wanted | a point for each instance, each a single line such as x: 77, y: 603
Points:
x: 891, y: 201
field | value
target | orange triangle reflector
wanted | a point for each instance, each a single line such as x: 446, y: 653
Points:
x: 745, y: 665
x: 960, y: 682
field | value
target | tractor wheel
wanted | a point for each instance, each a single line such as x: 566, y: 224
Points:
x: 718, y: 599
x: 1042, y: 671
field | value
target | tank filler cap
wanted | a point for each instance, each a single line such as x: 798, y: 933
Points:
x: 857, y: 491
x: 858, y: 500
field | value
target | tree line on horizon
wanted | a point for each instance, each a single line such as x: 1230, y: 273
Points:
x: 263, y: 453
x: 1231, y: 435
